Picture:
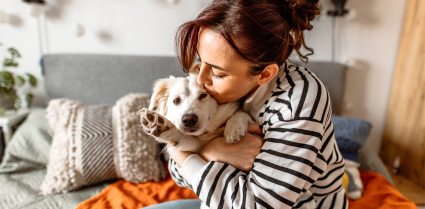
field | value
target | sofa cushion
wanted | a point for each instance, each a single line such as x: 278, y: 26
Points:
x: 92, y: 144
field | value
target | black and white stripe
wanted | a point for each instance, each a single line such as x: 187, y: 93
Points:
x: 299, y: 165
x: 96, y: 141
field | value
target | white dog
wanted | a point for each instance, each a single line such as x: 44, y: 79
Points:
x: 183, y: 115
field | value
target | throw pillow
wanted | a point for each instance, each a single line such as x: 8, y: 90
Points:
x: 351, y: 134
x: 99, y: 143
x: 355, y: 129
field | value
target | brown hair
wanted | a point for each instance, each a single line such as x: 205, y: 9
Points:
x: 262, y: 32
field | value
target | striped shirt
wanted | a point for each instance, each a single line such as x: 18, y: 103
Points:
x: 299, y: 165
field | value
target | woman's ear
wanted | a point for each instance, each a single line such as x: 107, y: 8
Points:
x: 268, y: 74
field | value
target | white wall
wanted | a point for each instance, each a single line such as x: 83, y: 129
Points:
x: 114, y: 27
x: 371, y: 39
x: 147, y: 27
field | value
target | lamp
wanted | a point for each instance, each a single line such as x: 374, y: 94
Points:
x: 340, y: 10
x: 37, y: 7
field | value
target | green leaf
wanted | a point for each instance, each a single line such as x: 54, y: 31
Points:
x: 20, y: 81
x: 31, y: 79
x: 14, y: 53
x: 17, y: 104
x: 28, y: 99
x: 8, y: 62
x: 2, y: 109
x: 6, y: 81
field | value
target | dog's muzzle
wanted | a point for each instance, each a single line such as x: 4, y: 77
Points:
x: 189, y: 120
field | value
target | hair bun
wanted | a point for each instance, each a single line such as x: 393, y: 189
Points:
x: 299, y: 12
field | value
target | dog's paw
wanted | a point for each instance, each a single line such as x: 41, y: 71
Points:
x: 154, y: 124
x: 235, y: 130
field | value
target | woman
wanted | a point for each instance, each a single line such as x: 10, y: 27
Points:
x: 243, y: 46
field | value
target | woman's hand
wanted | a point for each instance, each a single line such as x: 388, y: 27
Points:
x: 240, y: 155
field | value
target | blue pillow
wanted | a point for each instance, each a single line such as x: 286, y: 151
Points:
x: 349, y: 149
x: 350, y: 134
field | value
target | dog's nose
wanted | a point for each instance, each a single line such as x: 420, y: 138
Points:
x: 189, y: 120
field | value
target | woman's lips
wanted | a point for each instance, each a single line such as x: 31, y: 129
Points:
x: 209, y: 92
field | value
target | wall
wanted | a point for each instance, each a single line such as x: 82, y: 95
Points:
x: 147, y: 27
x: 372, y: 40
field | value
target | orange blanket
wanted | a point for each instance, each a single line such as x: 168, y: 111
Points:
x: 126, y: 195
x: 378, y: 193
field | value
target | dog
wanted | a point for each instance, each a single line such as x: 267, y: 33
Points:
x: 184, y: 116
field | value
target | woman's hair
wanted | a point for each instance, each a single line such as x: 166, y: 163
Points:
x: 262, y: 32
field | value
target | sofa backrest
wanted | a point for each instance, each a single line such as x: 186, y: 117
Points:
x: 103, y: 79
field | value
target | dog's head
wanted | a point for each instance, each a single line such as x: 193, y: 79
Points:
x: 185, y: 103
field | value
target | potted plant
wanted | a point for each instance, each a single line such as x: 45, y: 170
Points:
x: 9, y: 82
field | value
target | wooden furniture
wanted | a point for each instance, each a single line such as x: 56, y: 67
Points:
x: 408, y: 189
x: 404, y: 133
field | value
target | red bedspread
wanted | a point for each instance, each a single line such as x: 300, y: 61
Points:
x: 378, y: 193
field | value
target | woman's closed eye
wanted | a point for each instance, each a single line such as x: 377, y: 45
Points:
x: 217, y: 76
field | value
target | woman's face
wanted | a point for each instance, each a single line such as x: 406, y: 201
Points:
x: 223, y: 72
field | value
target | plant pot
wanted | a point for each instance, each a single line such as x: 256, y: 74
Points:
x: 7, y: 100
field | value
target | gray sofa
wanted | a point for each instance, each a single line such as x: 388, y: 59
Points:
x: 106, y: 78
x: 103, y: 79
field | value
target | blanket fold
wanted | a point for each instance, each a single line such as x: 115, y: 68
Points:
x: 378, y: 194
x: 126, y: 195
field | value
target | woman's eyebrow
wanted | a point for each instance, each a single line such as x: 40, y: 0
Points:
x: 212, y: 65
x: 215, y: 66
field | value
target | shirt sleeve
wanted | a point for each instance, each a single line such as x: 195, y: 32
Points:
x: 175, y: 172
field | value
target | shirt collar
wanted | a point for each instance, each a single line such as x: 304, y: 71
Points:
x: 250, y: 98
x: 270, y: 85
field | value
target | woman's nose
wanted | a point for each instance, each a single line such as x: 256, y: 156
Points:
x: 204, y: 77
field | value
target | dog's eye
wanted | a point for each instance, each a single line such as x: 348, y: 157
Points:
x: 202, y: 96
x: 176, y: 101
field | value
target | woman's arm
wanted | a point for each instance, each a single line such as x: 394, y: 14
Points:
x: 277, y: 178
x: 218, y: 150
x: 240, y: 155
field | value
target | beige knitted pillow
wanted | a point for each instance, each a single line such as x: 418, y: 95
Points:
x: 97, y: 143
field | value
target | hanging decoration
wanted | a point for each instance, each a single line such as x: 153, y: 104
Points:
x: 36, y: 7
x: 173, y: 2
x: 4, y: 18
x: 78, y: 30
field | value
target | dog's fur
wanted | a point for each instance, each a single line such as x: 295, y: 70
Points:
x: 183, y: 115
x: 179, y: 101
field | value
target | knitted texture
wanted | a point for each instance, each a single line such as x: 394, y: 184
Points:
x: 138, y: 153
x: 97, y: 143
x: 60, y: 177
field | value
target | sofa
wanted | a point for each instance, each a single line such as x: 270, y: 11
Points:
x: 100, y: 79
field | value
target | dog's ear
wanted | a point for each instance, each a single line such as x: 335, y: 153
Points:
x: 195, y: 69
x: 160, y: 96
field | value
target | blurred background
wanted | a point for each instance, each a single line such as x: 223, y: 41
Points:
x: 367, y: 41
